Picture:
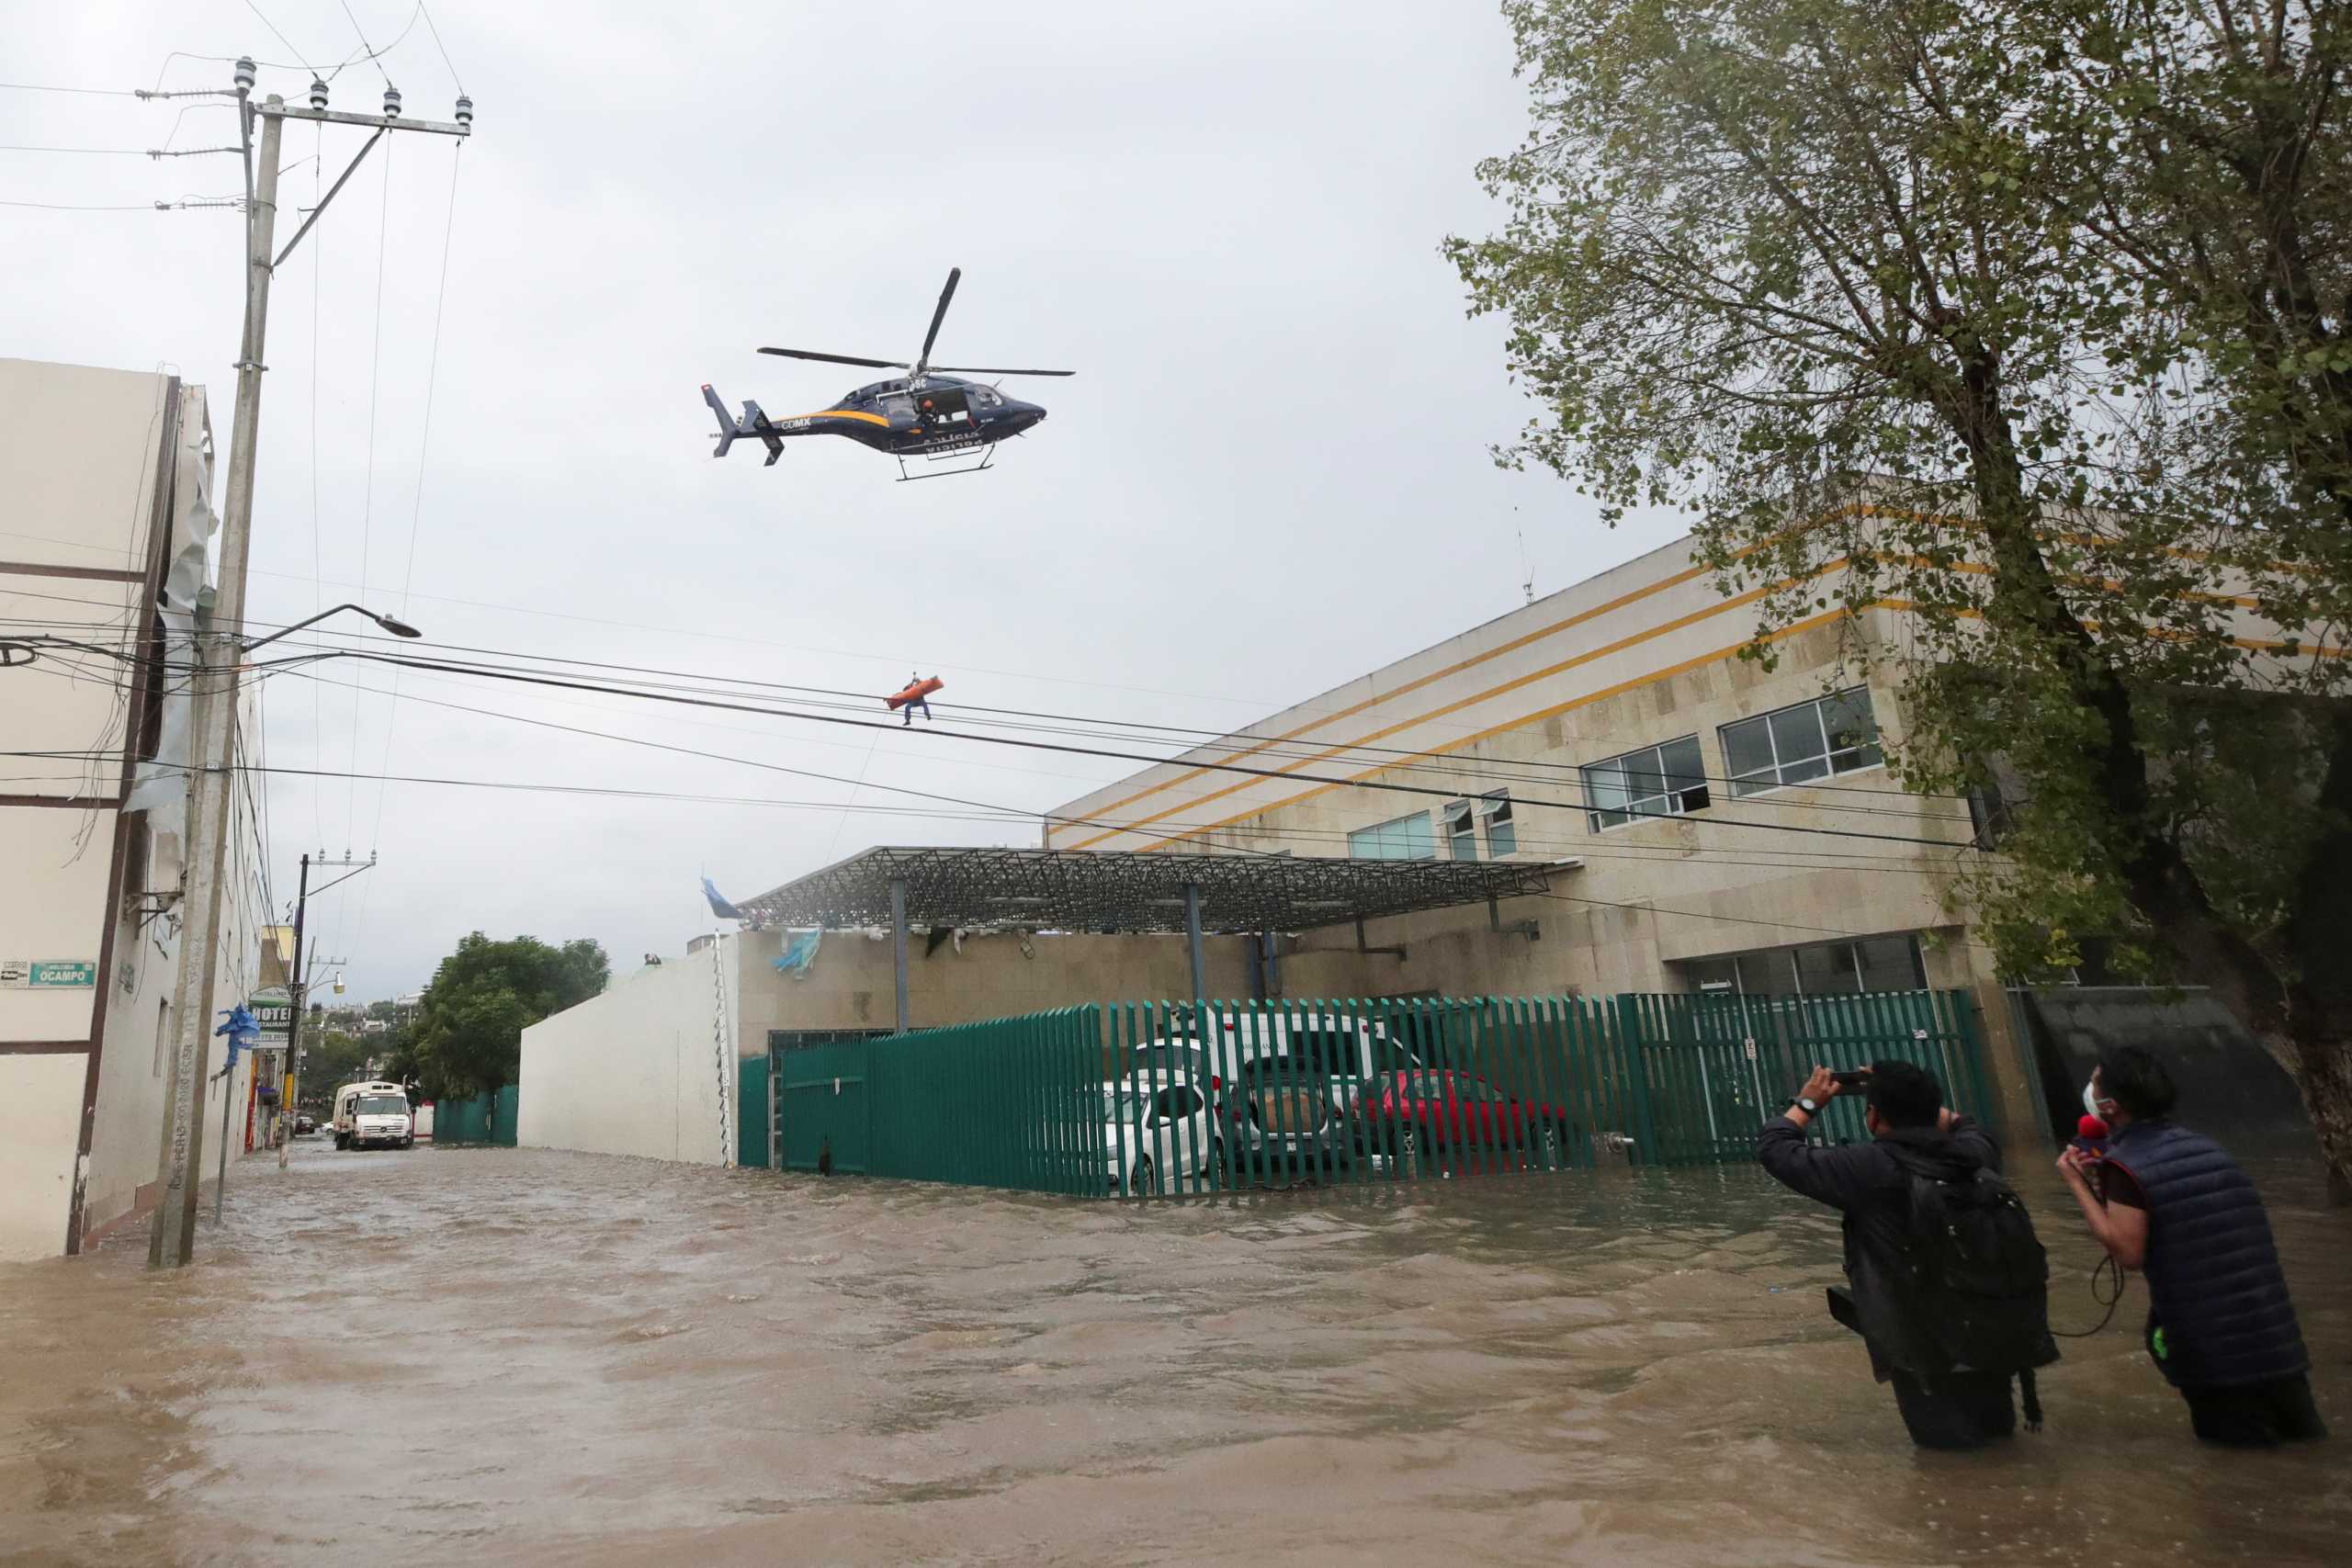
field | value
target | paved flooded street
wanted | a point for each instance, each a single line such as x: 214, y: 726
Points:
x: 523, y: 1357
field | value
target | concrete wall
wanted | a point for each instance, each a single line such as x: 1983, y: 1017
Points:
x: 850, y: 986
x: 636, y: 1071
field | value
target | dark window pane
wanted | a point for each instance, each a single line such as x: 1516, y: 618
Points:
x: 1827, y: 970
x: 1678, y: 761
x: 1604, y: 786
x: 1644, y: 778
x: 1747, y: 748
x: 1766, y: 974
x: 1890, y: 964
x: 1861, y: 757
x: 1848, y: 719
x: 1806, y: 768
x: 1796, y: 735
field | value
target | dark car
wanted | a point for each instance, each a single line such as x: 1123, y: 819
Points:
x: 1411, y: 1115
x: 304, y: 1122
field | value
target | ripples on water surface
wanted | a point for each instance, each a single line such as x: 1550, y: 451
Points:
x: 521, y: 1356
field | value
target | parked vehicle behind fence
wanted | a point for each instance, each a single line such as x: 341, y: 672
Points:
x: 1156, y: 1133
x: 1409, y: 1116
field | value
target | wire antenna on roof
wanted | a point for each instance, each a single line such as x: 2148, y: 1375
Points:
x: 1526, y: 569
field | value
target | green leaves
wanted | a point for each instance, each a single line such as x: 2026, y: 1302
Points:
x: 469, y: 1033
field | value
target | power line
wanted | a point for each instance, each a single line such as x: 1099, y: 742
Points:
x: 537, y: 678
x: 280, y: 36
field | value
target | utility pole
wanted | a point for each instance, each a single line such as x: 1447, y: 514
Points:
x: 300, y: 992
x: 221, y: 649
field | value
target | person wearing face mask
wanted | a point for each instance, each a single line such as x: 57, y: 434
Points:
x: 2176, y: 1206
x: 1950, y: 1344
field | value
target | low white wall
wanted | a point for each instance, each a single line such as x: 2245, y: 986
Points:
x: 636, y: 1070
x: 40, y: 1123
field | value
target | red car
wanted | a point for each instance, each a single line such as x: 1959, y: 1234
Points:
x: 1409, y: 1113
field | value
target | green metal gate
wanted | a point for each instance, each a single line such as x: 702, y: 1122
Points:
x: 1131, y: 1099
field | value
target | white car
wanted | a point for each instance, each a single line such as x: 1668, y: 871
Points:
x: 1158, y: 1135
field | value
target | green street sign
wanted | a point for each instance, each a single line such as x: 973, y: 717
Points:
x: 48, y: 974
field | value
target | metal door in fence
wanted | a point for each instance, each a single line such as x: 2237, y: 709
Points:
x: 822, y: 1109
x: 1719, y: 1066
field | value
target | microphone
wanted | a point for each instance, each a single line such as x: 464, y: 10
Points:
x: 2090, y: 1137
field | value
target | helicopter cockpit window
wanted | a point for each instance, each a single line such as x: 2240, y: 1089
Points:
x: 987, y: 397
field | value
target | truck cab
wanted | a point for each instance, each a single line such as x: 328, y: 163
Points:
x: 373, y: 1113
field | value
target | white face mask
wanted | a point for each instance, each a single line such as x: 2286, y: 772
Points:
x: 2091, y: 1101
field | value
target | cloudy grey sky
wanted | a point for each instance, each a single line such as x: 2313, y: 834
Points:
x: 1270, y: 475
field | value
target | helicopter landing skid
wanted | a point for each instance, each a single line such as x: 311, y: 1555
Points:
x: 988, y: 455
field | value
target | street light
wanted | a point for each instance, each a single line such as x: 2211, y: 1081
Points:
x: 397, y: 627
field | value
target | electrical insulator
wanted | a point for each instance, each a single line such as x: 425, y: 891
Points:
x: 318, y: 93
x: 391, y: 103
x: 244, y: 74
x: 465, y: 112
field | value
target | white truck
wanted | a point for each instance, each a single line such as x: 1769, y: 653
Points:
x: 368, y: 1113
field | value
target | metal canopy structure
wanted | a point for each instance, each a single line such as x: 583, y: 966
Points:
x: 1130, y: 890
x: 1122, y: 891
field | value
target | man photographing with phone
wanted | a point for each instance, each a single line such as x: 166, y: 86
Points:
x: 1949, y: 1288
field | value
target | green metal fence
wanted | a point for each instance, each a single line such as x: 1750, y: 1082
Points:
x: 1152, y: 1097
x: 477, y: 1118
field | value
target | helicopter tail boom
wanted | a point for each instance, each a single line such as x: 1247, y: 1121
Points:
x: 754, y: 424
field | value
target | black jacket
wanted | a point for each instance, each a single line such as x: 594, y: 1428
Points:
x: 1863, y: 1183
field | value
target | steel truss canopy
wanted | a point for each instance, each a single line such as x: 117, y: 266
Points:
x: 1128, y: 890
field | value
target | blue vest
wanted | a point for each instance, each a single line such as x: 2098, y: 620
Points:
x: 2214, y: 1283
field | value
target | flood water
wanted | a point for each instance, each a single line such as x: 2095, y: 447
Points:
x: 518, y: 1355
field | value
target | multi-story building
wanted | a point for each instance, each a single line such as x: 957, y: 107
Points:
x: 105, y: 477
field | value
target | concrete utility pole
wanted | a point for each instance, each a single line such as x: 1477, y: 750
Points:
x: 298, y: 990
x: 220, y: 651
x: 210, y: 785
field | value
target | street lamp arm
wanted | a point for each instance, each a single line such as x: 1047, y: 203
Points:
x: 397, y: 627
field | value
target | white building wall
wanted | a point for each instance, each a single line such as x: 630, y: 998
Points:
x: 88, y: 471
x: 636, y: 1071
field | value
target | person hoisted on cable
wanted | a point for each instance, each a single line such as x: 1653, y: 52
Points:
x: 915, y: 696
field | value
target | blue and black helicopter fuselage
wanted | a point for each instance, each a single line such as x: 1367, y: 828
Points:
x: 928, y: 416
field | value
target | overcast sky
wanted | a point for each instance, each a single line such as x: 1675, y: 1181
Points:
x: 1270, y: 475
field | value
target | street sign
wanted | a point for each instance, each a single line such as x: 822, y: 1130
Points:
x: 274, y: 1009
x: 48, y: 974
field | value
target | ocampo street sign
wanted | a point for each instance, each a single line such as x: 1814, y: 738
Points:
x: 48, y: 974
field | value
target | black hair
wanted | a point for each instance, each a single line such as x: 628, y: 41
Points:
x: 1904, y: 1094
x: 2132, y: 1078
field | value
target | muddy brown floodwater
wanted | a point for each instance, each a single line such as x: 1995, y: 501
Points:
x: 510, y: 1356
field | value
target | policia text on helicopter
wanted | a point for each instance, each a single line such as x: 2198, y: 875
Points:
x: 1950, y: 1286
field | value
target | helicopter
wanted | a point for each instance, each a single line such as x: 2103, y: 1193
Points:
x: 932, y: 414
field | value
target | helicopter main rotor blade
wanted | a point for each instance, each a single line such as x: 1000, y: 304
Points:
x: 838, y: 358
x: 922, y: 361
x: 994, y: 370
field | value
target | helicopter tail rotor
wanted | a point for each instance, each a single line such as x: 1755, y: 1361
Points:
x: 754, y: 424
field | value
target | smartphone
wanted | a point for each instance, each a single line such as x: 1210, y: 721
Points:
x: 1853, y: 1079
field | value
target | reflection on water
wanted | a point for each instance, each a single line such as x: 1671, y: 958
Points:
x: 528, y: 1356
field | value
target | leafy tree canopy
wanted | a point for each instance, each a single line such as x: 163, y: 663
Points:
x: 467, y: 1037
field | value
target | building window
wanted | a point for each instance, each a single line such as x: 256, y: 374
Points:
x: 1407, y: 838
x: 1823, y: 969
x: 1830, y: 735
x: 1460, y: 830
x: 1658, y: 780
x: 1502, y: 833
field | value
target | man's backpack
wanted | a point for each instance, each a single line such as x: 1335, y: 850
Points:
x: 1980, y: 1281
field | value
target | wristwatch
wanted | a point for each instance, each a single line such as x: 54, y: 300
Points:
x: 1807, y: 1104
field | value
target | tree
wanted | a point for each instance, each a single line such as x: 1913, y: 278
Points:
x: 469, y: 1030
x: 330, y: 1058
x: 2023, y: 318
